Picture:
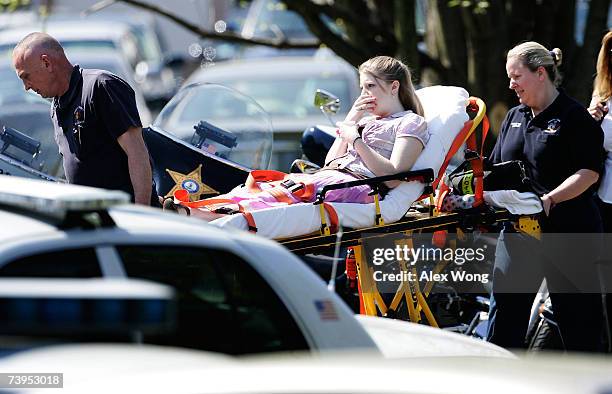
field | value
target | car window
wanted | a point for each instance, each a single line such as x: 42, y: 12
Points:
x: 147, y: 44
x: 276, y: 16
x: 224, y: 305
x: 278, y: 97
x: 75, y: 263
x: 81, y: 45
x: 270, y: 18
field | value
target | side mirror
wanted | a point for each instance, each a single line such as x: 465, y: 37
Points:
x: 326, y: 102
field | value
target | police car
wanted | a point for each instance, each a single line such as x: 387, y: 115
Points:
x: 236, y: 293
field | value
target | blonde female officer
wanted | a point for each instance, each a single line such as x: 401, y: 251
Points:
x: 560, y: 145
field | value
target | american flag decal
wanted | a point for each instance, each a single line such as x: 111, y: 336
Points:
x: 326, y: 310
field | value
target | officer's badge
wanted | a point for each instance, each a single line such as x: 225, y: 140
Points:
x: 78, y: 121
x: 191, y: 182
x: 552, y: 126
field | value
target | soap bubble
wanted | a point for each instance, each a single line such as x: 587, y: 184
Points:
x: 220, y: 26
x: 195, y: 49
x: 209, y: 53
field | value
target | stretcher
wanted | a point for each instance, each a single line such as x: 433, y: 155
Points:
x: 446, y: 116
x: 450, y: 126
x: 310, y: 228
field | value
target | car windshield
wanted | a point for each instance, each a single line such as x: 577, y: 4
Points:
x: 220, y: 121
x: 291, y: 97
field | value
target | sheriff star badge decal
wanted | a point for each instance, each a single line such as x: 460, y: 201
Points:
x: 191, y: 182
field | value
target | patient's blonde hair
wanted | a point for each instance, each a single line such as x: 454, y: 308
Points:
x: 389, y: 69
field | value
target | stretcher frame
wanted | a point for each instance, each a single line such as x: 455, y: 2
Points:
x: 371, y: 300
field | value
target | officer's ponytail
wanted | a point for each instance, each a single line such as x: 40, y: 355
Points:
x: 534, y: 55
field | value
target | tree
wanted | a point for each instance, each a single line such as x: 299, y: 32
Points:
x: 466, y: 40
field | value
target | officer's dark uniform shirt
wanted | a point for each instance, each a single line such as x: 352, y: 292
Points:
x: 553, y: 145
x: 96, y: 110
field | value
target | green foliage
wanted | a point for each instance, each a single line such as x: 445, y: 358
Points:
x: 479, y: 6
x: 7, y: 6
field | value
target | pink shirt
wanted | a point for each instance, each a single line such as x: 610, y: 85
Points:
x: 380, y: 135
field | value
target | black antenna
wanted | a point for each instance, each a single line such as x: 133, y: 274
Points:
x: 331, y: 286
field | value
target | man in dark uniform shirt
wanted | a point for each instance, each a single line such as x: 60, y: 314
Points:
x: 94, y: 114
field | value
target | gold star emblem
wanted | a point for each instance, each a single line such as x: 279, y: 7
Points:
x: 191, y: 182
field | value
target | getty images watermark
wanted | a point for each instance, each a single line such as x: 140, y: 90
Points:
x: 465, y: 263
x: 442, y: 256
x: 450, y: 264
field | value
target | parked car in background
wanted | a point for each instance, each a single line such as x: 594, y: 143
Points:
x: 158, y: 81
x: 270, y: 19
x: 285, y: 88
x: 236, y: 293
x: 28, y: 113
x: 79, y: 35
x: 106, y: 35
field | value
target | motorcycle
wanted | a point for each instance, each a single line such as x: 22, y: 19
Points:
x: 207, y: 139
x: 21, y: 155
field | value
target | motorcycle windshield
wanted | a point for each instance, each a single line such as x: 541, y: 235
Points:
x: 221, y: 121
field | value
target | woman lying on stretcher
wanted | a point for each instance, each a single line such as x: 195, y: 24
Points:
x: 387, y: 142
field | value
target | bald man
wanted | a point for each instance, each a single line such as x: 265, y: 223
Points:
x: 96, y: 122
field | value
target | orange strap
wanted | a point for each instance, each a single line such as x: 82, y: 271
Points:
x: 333, y: 217
x: 262, y: 176
x: 182, y: 196
x: 477, y: 164
x: 477, y: 170
x: 213, y: 203
x: 279, y: 192
x: 457, y: 142
x: 250, y: 221
x: 442, y: 193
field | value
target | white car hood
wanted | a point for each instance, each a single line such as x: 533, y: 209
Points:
x: 397, y: 338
